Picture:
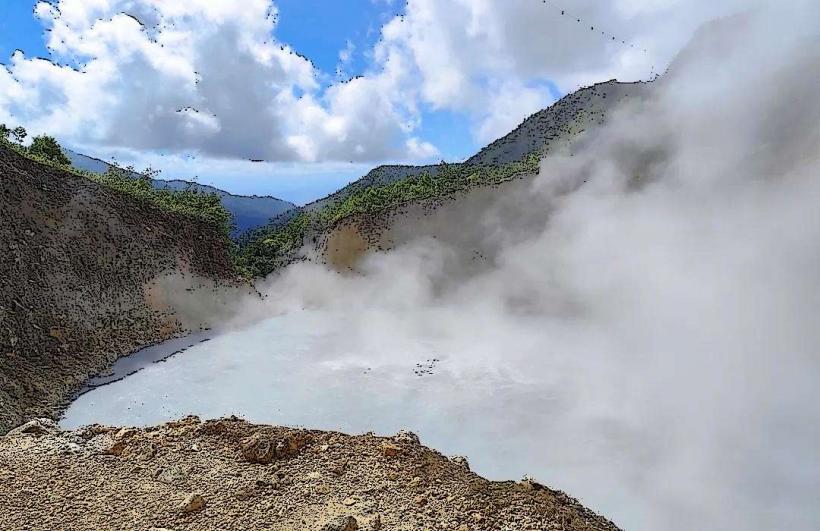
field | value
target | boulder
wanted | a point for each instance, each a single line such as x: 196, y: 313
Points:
x: 192, y: 503
x: 405, y: 436
x: 461, y: 460
x: 259, y: 449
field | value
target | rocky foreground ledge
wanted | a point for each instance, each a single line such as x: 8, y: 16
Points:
x: 230, y: 474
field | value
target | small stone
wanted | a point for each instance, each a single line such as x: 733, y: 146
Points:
x: 530, y: 484
x: 148, y: 452
x: 420, y: 500
x: 245, y: 493
x: 291, y: 444
x: 192, y: 503
x: 348, y: 502
x: 171, y: 475
x: 263, y: 449
x: 343, y: 523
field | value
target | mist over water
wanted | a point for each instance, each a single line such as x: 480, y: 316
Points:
x: 649, y: 344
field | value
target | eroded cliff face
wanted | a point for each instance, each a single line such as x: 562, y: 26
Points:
x: 88, y: 274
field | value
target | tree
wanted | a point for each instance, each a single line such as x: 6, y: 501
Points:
x: 19, y: 133
x: 4, y: 132
x: 46, y: 147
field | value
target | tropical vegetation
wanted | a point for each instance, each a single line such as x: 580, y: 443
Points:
x: 263, y: 250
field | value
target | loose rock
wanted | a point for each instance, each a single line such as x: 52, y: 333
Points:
x: 192, y: 503
x: 343, y: 523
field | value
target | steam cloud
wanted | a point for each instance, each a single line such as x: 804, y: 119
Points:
x: 655, y: 295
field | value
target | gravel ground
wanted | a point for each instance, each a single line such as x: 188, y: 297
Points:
x: 229, y: 474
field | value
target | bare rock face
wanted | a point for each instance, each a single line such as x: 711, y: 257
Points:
x: 85, y: 279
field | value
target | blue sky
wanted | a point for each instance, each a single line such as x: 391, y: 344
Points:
x: 19, y: 29
x: 195, y: 85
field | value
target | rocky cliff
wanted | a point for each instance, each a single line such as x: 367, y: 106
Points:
x: 81, y: 266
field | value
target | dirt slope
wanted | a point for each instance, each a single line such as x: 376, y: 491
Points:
x: 229, y: 474
x: 80, y: 265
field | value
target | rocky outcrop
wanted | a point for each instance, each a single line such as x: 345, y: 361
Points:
x: 85, y: 276
x: 304, y: 480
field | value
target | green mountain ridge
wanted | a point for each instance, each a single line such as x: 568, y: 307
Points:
x: 289, y: 238
x: 247, y: 211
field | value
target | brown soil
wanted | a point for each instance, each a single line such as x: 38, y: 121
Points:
x: 79, y: 264
x: 229, y: 474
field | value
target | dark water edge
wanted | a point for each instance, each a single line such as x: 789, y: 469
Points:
x: 145, y: 357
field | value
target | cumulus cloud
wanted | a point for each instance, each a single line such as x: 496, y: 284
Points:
x: 211, y: 76
x: 199, y: 75
x: 475, y: 55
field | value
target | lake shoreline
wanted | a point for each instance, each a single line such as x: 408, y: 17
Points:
x: 111, y: 373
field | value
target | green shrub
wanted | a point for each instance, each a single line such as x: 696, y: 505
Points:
x: 46, y: 147
x: 19, y: 133
x: 190, y: 201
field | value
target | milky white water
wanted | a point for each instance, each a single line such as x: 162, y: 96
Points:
x: 276, y: 372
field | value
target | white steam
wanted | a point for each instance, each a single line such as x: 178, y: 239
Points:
x: 663, y: 316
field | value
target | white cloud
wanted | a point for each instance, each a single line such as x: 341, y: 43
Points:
x: 198, y: 75
x: 483, y: 56
x: 210, y: 76
x: 508, y: 103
